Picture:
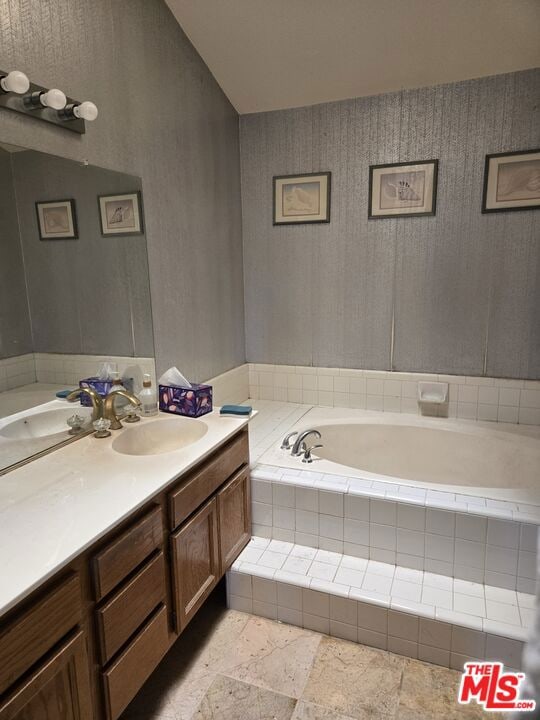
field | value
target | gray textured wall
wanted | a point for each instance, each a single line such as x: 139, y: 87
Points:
x: 15, y: 330
x: 462, y: 287
x: 90, y: 295
x: 164, y: 118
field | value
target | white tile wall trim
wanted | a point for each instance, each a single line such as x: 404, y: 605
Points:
x: 17, y: 371
x: 230, y: 387
x: 419, y: 614
x: 69, y: 369
x: 492, y: 543
x: 470, y: 398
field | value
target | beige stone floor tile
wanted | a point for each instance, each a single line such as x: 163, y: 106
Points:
x: 179, y: 683
x: 273, y: 655
x: 309, y: 711
x: 231, y: 699
x: 429, y: 692
x: 354, y: 680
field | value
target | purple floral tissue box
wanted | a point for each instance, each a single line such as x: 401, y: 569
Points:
x: 193, y: 402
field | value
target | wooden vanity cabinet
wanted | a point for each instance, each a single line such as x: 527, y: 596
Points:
x: 82, y: 648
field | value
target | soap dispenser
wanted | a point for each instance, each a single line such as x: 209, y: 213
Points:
x: 148, y: 397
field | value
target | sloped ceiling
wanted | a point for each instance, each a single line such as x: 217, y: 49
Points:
x: 272, y: 54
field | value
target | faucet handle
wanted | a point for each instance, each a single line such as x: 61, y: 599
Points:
x: 307, y: 453
x: 286, y: 444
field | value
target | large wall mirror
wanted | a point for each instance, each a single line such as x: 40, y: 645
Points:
x: 74, y: 292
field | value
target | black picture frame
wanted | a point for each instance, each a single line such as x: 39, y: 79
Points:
x: 300, y: 177
x: 68, y: 202
x: 427, y: 213
x: 137, y: 195
x: 487, y: 165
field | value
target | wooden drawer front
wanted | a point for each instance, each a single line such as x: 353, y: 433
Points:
x: 234, y: 516
x: 25, y: 640
x: 129, y: 608
x: 195, y: 562
x: 194, y: 491
x: 58, y: 690
x: 118, y: 559
x: 126, y: 676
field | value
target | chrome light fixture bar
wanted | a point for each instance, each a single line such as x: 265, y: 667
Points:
x: 17, y: 93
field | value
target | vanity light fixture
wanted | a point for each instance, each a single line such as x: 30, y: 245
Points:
x: 14, y: 82
x: 84, y: 111
x: 53, y: 98
x: 19, y: 94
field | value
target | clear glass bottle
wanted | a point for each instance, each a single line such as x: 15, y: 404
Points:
x: 121, y: 402
x: 148, y: 397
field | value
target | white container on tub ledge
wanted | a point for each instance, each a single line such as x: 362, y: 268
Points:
x: 431, y: 395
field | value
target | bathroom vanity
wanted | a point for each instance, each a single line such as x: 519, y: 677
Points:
x: 81, y: 642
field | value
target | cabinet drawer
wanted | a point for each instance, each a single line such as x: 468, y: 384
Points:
x: 206, y: 480
x: 33, y: 633
x: 234, y: 518
x: 126, y: 676
x: 130, y: 549
x: 118, y: 619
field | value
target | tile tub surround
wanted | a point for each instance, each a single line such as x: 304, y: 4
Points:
x: 477, y: 540
x: 17, y: 371
x: 470, y: 398
x: 409, y: 612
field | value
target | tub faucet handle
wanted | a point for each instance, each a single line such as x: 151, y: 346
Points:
x: 286, y: 444
x: 307, y: 453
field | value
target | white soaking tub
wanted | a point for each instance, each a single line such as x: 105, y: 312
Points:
x: 493, y: 460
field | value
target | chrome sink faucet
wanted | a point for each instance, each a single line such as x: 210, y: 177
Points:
x: 109, y: 411
x: 95, y: 397
x: 300, y: 441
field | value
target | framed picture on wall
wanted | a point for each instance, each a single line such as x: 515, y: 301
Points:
x: 403, y: 189
x: 57, y: 220
x: 121, y: 214
x: 302, y: 198
x: 512, y: 181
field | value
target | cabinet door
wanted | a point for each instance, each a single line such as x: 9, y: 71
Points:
x: 58, y: 690
x: 194, y: 550
x: 234, y: 514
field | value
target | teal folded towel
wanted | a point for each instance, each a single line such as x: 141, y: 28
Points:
x: 240, y: 410
x: 63, y: 393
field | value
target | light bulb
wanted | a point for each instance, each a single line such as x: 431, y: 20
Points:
x: 16, y: 82
x: 86, y: 111
x: 54, y: 99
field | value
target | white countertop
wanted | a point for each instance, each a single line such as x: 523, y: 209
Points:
x: 55, y: 507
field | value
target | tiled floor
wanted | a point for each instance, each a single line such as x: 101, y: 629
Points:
x: 232, y: 666
x: 481, y: 607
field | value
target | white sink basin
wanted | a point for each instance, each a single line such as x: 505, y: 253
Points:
x: 161, y: 436
x: 43, y: 424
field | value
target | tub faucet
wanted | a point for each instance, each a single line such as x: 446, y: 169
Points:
x: 297, y: 447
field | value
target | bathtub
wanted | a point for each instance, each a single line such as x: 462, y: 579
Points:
x: 490, y: 460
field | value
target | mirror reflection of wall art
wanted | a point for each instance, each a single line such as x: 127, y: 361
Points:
x: 403, y: 189
x: 57, y: 220
x: 121, y: 214
x: 302, y: 198
x: 512, y: 181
